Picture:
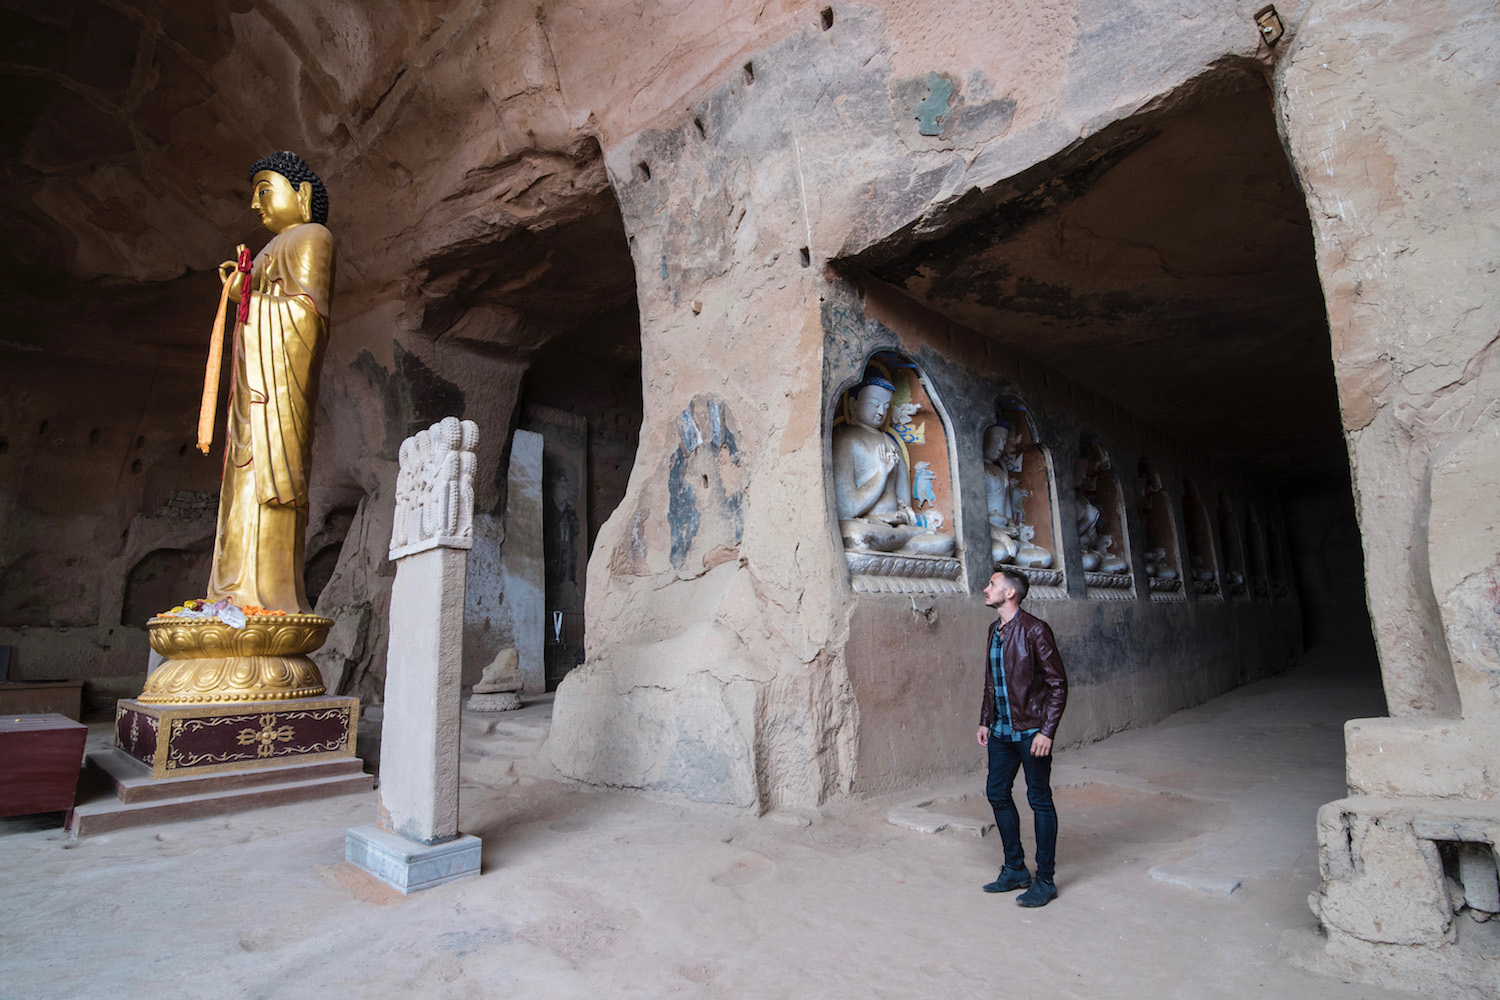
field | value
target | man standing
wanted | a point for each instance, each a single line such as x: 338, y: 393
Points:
x: 1025, y: 691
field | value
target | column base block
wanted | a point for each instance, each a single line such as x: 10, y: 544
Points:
x: 407, y: 865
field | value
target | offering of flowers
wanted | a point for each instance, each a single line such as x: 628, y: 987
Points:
x: 221, y: 609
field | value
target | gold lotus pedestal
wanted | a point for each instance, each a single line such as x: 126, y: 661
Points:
x: 210, y: 661
x: 236, y: 718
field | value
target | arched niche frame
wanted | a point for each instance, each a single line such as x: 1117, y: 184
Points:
x: 1163, y: 555
x: 1255, y: 545
x: 1277, y: 561
x: 892, y: 460
x: 1233, y: 548
x: 1099, y: 520
x: 1203, y: 569
x: 1021, y: 497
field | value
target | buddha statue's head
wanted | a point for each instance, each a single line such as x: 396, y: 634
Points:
x: 996, y: 437
x: 286, y: 192
x: 871, y: 401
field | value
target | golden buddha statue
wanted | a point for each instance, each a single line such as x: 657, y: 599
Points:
x: 283, y: 299
x: 260, y: 545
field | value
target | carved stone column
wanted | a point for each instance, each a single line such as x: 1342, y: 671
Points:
x: 416, y: 844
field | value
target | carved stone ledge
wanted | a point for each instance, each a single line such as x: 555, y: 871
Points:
x: 1046, y: 584
x: 904, y: 585
x: 1168, y: 596
x: 1206, y: 587
x: 1035, y: 577
x: 885, y: 564
x: 1164, y: 586
x: 1109, y: 581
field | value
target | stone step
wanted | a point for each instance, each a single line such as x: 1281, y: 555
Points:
x: 105, y: 812
x: 131, y: 780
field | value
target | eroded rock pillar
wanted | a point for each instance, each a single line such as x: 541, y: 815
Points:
x: 1402, y: 191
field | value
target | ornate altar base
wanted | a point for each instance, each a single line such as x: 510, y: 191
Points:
x: 235, y: 699
x: 175, y: 740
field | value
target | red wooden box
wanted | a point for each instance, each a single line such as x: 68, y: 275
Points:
x: 40, y: 757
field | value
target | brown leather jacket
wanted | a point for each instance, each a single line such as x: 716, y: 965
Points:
x: 1035, y: 683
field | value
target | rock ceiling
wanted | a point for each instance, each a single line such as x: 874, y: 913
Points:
x: 126, y: 130
x: 1173, y: 274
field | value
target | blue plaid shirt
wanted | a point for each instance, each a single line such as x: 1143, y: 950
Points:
x: 1002, y: 727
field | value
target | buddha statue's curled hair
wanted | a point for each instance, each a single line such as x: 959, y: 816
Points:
x: 295, y: 169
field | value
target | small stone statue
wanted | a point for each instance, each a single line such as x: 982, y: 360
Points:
x: 499, y: 688
x: 1029, y: 555
x: 1156, y: 565
x: 871, y: 487
x: 921, y: 491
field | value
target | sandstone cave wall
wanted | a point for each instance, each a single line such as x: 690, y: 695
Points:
x: 719, y: 616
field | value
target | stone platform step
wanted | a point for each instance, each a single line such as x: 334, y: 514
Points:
x: 126, y: 795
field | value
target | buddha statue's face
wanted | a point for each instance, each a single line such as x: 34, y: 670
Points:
x: 995, y: 440
x: 871, y: 405
x: 280, y: 205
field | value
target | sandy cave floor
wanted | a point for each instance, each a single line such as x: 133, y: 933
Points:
x: 590, y: 894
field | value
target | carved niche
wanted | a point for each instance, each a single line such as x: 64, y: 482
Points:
x: 1255, y: 541
x: 1099, y: 518
x: 1163, y: 557
x: 1203, y: 571
x: 893, y: 483
x: 1022, y: 500
x: 1233, y: 548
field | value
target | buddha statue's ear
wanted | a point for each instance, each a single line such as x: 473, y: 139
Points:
x: 304, y: 199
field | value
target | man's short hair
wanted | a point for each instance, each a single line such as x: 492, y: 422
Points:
x: 1017, y: 580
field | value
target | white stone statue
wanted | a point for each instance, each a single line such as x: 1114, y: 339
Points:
x: 1157, y: 566
x: 871, y: 485
x: 435, y: 489
x: 1029, y: 555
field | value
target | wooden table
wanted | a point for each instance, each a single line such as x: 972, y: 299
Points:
x: 40, y: 757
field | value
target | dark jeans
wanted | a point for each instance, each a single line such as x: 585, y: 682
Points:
x: 1006, y: 757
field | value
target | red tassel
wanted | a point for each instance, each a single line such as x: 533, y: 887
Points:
x: 246, y: 262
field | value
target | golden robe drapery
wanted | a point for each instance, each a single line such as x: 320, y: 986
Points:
x: 278, y: 355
